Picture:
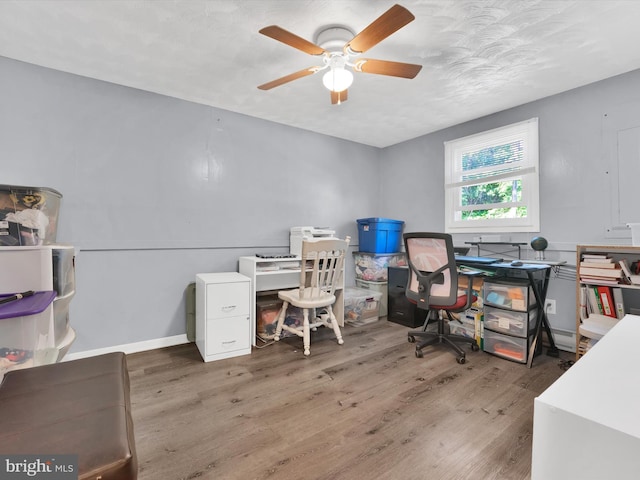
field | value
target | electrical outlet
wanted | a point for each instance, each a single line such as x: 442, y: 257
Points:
x: 550, y: 306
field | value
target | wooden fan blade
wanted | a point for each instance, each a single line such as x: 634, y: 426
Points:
x: 288, y: 38
x: 384, y: 67
x: 338, y: 97
x: 289, y: 78
x: 389, y: 22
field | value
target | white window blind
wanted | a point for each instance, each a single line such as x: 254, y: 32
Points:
x: 491, y: 181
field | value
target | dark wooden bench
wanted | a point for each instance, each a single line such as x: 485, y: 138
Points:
x: 78, y: 407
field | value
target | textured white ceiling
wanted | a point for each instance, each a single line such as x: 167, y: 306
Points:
x: 478, y: 56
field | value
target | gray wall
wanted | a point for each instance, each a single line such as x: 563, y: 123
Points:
x: 158, y: 189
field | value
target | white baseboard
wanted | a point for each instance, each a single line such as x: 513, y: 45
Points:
x: 131, y: 347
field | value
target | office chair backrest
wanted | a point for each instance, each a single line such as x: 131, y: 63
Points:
x: 325, y: 259
x: 433, y: 278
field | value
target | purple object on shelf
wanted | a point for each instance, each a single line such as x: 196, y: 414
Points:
x: 36, y: 303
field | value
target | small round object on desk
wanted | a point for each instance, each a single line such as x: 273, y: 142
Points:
x: 516, y: 263
x: 539, y: 243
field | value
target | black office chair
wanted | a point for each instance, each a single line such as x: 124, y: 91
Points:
x: 433, y: 286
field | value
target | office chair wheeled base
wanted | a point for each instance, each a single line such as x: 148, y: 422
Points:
x: 450, y: 339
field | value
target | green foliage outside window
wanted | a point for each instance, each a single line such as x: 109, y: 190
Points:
x: 494, y: 192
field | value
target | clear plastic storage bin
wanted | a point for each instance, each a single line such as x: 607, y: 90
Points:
x: 464, y: 329
x: 27, y: 332
x: 381, y: 287
x: 361, y: 306
x: 28, y: 215
x: 373, y: 267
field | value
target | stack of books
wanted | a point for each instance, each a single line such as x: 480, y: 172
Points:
x: 600, y: 269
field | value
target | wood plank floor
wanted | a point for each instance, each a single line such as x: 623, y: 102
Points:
x: 366, y: 409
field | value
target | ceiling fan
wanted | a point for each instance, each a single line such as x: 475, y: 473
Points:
x: 336, y: 58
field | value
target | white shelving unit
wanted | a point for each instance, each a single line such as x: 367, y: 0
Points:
x: 631, y: 293
x: 223, y: 320
x: 273, y: 274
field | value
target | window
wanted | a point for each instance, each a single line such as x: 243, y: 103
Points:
x: 491, y: 181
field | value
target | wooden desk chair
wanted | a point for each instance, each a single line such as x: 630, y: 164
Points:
x: 433, y: 286
x: 321, y: 272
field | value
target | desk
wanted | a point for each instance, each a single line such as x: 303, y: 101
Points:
x: 586, y: 424
x: 539, y: 288
x: 269, y: 275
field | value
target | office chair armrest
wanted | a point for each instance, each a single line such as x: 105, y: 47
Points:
x: 470, y: 277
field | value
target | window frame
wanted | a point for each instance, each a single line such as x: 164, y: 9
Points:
x: 527, y: 171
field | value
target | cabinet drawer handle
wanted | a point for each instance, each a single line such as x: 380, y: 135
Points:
x: 228, y: 308
x: 229, y: 342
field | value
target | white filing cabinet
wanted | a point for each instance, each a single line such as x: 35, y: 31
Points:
x: 223, y: 318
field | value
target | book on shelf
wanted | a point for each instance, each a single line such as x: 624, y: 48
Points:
x: 596, y: 257
x: 600, y: 280
x: 628, y: 274
x: 584, y: 302
x: 593, y: 300
x: 601, y: 272
x: 606, y: 300
x: 618, y: 301
x: 588, y: 264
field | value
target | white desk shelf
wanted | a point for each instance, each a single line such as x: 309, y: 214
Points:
x: 263, y: 281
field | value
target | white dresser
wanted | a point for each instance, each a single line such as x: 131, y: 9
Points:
x: 586, y: 425
x: 223, y: 315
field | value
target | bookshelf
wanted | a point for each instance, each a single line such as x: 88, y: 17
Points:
x: 630, y: 294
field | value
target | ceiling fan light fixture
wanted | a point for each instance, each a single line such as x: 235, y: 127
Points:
x: 337, y: 79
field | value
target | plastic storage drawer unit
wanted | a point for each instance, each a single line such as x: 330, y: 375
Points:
x: 380, y: 235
